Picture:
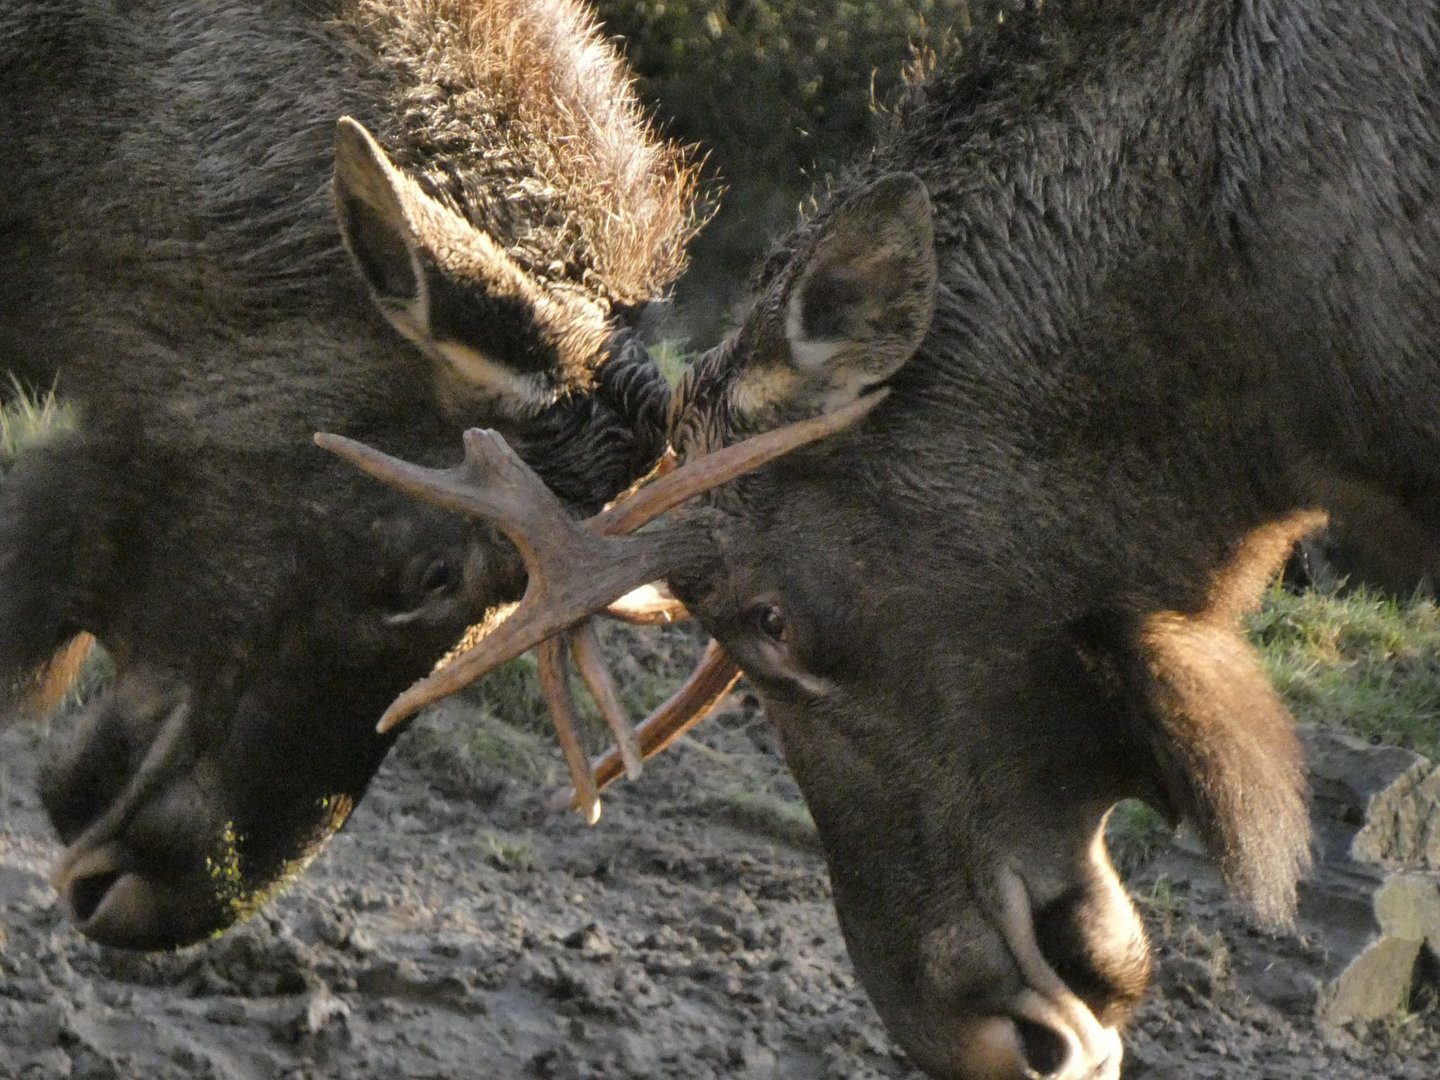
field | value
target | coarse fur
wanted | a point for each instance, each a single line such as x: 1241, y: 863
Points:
x: 605, y: 207
x: 1152, y: 287
x: 227, y: 226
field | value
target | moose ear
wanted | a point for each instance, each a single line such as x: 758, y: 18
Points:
x: 863, y: 301
x: 1225, y: 749
x: 379, y: 228
x: 452, y: 290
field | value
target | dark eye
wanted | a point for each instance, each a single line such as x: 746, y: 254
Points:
x: 771, y: 621
x: 438, y: 576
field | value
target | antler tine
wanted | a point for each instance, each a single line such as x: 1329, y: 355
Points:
x: 572, y: 571
x: 550, y: 605
x: 721, y: 466
x: 713, y: 678
x: 564, y: 715
x: 648, y: 605
x: 576, y: 569
x: 490, y: 483
x: 585, y: 650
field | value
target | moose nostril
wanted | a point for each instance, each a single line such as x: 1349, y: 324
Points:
x: 1045, y: 1049
x: 87, y: 892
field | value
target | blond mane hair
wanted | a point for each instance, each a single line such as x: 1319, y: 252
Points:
x: 521, y: 116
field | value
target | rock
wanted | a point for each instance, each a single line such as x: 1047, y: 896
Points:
x: 590, y: 941
x: 1376, y: 804
x: 321, y: 1009
x: 1408, y: 906
x: 50, y: 1065
x: 1376, y: 896
x: 1373, y: 902
x: 1376, y: 984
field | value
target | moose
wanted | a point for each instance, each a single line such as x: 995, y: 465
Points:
x: 228, y: 226
x: 1131, y: 296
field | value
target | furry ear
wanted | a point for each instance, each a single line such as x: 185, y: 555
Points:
x: 1221, y: 750
x: 1216, y: 742
x: 864, y: 299
x: 852, y: 312
x: 378, y: 229
x: 451, y: 289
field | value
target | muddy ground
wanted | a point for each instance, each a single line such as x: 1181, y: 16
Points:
x: 456, y: 930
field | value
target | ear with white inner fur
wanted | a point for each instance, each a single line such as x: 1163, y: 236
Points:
x: 370, y: 198
x: 447, y: 286
x: 862, y: 304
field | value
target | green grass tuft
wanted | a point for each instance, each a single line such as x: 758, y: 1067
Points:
x: 773, y: 815
x: 672, y: 359
x: 499, y: 726
x: 1356, y: 661
x: 508, y: 853
x: 1134, y: 833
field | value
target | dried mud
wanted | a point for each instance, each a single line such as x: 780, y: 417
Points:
x: 456, y: 930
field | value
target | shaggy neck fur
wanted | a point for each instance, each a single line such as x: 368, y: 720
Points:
x: 523, y: 119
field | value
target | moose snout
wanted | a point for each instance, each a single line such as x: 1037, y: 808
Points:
x: 139, y: 868
x: 113, y: 904
x: 134, y: 889
x: 1017, y: 1047
x: 1034, y: 1036
x: 990, y: 1004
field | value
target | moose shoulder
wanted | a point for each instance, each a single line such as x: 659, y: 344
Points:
x: 174, y: 181
x: 1152, y: 287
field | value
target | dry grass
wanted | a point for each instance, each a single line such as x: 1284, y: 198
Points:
x: 28, y: 417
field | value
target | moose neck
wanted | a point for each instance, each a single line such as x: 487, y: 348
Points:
x: 1128, y: 326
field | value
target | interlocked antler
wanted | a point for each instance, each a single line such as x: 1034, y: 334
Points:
x: 576, y: 569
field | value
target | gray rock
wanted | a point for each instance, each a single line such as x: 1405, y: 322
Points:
x: 1376, y: 984
x: 1376, y: 804
x: 1373, y: 902
x: 1408, y: 906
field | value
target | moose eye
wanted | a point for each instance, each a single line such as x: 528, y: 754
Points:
x: 771, y: 621
x: 438, y: 576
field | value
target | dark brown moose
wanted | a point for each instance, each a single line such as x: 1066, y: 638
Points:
x: 174, y: 181
x: 1149, y: 288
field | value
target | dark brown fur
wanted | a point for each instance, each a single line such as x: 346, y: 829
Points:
x: 1148, y: 283
x: 178, y: 209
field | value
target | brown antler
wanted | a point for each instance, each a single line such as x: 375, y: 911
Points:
x: 577, y: 569
x: 712, y: 679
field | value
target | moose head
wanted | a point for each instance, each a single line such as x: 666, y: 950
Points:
x: 261, y: 603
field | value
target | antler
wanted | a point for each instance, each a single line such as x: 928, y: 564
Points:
x: 577, y: 569
x: 711, y: 680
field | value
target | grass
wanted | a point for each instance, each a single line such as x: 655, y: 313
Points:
x: 26, y: 418
x: 1134, y: 833
x: 672, y: 359
x: 1161, y: 901
x: 507, y: 853
x: 776, y: 815
x: 1357, y: 661
x: 498, y: 726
